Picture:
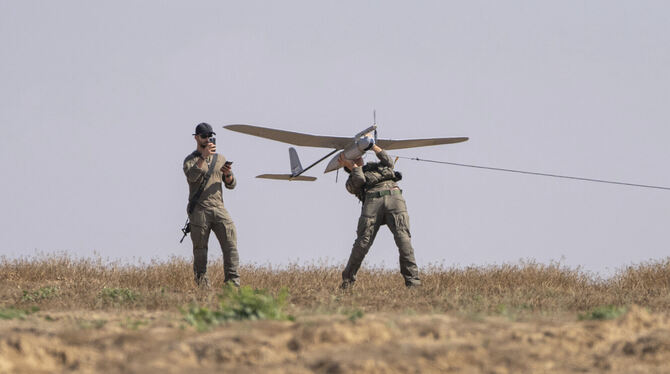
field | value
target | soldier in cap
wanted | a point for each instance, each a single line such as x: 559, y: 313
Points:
x: 375, y: 185
x: 206, y: 171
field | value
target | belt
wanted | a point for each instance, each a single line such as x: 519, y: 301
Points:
x: 383, y: 193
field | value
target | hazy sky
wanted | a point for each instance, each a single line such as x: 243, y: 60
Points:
x: 98, y: 101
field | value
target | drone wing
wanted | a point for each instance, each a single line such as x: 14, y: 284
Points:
x: 413, y: 143
x: 295, y: 138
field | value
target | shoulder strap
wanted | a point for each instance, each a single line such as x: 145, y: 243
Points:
x: 196, y: 195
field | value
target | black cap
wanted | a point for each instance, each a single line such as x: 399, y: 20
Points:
x: 204, y: 129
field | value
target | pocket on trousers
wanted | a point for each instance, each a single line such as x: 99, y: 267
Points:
x: 366, y: 226
x: 401, y: 221
x: 231, y: 232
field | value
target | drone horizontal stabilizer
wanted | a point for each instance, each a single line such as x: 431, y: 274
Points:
x: 287, y: 177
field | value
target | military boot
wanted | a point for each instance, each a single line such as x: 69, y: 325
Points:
x: 202, y: 281
x: 346, y: 284
x: 233, y: 282
x: 414, y: 283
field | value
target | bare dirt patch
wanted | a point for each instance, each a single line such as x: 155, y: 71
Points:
x: 639, y: 341
x: 85, y: 316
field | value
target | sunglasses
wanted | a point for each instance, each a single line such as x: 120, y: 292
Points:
x: 205, y: 136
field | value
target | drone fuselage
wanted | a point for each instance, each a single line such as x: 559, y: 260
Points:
x: 352, y: 152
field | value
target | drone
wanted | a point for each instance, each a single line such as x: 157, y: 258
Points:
x: 350, y: 148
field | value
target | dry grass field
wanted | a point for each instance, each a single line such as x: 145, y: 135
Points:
x: 59, y: 314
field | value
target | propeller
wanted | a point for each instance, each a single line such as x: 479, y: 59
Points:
x: 374, y: 122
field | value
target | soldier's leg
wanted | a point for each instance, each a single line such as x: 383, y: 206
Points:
x: 200, y: 237
x: 398, y: 222
x: 225, y: 231
x: 366, y: 232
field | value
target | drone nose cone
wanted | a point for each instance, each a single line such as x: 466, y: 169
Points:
x: 365, y: 143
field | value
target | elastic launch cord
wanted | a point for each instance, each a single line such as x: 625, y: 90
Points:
x: 538, y: 174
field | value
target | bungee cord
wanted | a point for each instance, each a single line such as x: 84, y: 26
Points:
x: 537, y: 173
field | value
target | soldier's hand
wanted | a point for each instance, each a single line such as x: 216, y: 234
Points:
x: 226, y: 169
x: 208, y: 150
x: 344, y: 162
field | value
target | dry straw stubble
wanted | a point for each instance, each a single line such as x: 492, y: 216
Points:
x: 523, y: 288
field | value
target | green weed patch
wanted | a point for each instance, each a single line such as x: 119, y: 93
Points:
x: 603, y: 313
x: 14, y: 313
x: 40, y: 294
x: 240, y: 304
x: 118, y: 296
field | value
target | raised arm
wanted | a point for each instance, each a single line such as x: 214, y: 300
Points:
x: 356, y: 178
x: 195, y: 166
x: 384, y: 158
x: 194, y: 170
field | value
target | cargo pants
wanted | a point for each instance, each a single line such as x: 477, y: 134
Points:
x: 203, y: 221
x: 389, y: 210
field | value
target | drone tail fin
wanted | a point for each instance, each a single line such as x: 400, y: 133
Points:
x: 296, y: 167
